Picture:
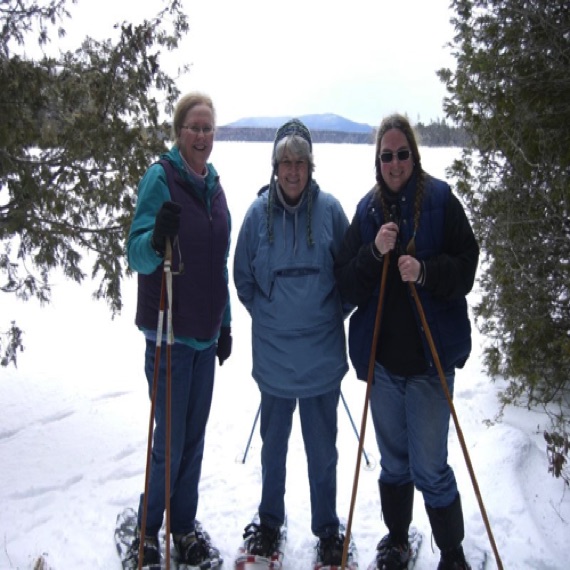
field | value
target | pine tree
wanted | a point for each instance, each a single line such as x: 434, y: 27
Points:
x: 511, y: 93
x: 77, y: 132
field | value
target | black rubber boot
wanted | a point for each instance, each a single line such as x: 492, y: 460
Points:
x: 397, y: 506
x: 448, y: 532
x: 393, y: 551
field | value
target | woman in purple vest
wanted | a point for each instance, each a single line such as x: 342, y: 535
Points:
x: 180, y: 199
x: 417, y: 222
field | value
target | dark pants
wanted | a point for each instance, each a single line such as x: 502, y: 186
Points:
x: 192, y: 373
x: 319, y: 427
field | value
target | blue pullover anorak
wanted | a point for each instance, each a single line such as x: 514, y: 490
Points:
x: 287, y: 285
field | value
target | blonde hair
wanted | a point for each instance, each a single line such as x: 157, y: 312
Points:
x: 185, y: 103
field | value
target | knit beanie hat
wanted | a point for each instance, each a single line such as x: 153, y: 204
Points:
x: 292, y: 127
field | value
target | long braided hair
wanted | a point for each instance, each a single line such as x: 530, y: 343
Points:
x: 400, y: 122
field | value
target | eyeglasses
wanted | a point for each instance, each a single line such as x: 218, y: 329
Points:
x: 195, y: 130
x: 388, y: 156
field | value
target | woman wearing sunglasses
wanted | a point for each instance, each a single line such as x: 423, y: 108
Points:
x: 415, y: 224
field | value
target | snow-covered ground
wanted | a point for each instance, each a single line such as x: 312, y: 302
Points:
x: 74, y: 423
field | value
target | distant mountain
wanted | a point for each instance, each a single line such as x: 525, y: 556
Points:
x: 329, y: 128
x: 322, y: 122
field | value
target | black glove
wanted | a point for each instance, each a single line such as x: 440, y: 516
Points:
x: 224, y: 344
x: 166, y: 225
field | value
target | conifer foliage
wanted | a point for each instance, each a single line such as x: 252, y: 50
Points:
x: 510, y: 92
x: 77, y: 132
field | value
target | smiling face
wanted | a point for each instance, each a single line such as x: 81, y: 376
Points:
x: 196, y: 138
x: 292, y: 175
x: 396, y: 172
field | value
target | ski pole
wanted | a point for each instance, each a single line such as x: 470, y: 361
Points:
x: 152, y: 410
x: 371, y: 364
x: 437, y: 363
x: 354, y: 428
x: 169, y: 343
x: 251, y: 434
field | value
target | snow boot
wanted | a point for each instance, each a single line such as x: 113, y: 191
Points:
x: 453, y: 559
x: 448, y: 532
x: 393, y: 552
x: 193, y: 548
x: 151, y: 551
x: 331, y: 549
x: 391, y: 555
x: 261, y: 540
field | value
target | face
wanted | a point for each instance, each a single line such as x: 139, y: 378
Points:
x: 196, y: 145
x: 292, y: 175
x: 396, y: 172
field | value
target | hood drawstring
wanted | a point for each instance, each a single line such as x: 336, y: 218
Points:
x: 293, y: 210
x: 275, y: 191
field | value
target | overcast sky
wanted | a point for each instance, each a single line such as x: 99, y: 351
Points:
x: 361, y: 59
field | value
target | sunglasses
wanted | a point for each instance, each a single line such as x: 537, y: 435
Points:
x: 388, y: 156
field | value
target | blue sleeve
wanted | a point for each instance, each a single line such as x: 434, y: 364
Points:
x: 152, y: 193
x: 243, y: 275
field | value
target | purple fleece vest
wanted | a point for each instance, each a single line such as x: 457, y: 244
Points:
x: 200, y: 293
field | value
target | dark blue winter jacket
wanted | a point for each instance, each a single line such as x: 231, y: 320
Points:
x: 447, y: 246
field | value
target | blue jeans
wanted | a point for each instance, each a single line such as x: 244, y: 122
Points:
x: 192, y: 373
x: 411, y: 421
x: 319, y: 428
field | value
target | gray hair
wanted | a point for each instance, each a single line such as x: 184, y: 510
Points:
x: 297, y: 146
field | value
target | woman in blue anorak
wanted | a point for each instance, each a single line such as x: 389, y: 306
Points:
x: 283, y: 272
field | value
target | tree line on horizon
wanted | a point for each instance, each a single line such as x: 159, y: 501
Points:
x: 436, y: 133
x: 78, y: 130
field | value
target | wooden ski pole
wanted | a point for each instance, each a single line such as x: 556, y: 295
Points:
x: 437, y: 362
x: 151, y: 418
x: 371, y: 363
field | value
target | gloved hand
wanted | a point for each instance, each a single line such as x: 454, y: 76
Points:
x: 224, y: 344
x: 166, y: 225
